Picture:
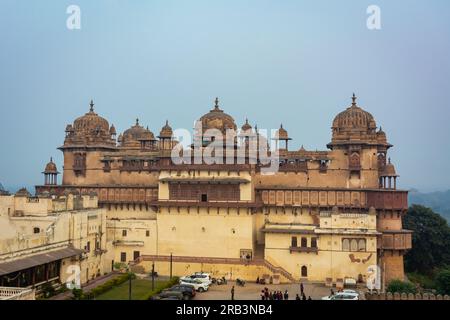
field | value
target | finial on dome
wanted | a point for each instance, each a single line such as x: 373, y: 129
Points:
x: 51, y: 159
x: 389, y: 160
x: 167, y: 122
x: 354, y: 100
x: 281, y: 126
x: 216, y: 104
x: 92, y: 105
x: 137, y: 121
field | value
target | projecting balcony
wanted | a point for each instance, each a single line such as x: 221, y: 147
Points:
x: 304, y: 249
x: 396, y: 240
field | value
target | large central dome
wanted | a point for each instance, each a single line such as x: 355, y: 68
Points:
x: 354, y: 118
x: 217, y: 119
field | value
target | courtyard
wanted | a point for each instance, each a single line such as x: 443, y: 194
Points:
x: 252, y: 291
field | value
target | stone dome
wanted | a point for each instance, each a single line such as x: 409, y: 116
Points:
x: 217, y: 119
x: 355, y: 125
x: 91, y: 121
x: 354, y: 118
x: 246, y: 126
x: 389, y: 170
x: 51, y: 167
x: 282, y: 134
x: 89, y: 129
x: 135, y: 134
x: 166, y: 131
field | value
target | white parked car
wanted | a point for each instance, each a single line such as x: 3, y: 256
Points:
x: 343, y: 295
x: 204, y: 277
x: 198, y: 284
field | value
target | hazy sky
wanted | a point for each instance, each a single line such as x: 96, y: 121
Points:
x: 295, y: 62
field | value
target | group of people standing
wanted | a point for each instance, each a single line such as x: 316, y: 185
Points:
x: 278, y: 295
x: 274, y: 295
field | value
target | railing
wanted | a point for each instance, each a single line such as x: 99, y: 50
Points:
x: 10, y: 293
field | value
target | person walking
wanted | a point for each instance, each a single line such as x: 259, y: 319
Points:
x: 232, y: 293
x: 286, y: 295
x: 263, y: 297
x: 303, y: 296
x: 309, y: 298
x: 301, y: 288
x: 297, y: 297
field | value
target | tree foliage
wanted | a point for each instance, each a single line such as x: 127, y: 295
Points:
x: 401, y: 287
x: 430, y: 240
x: 443, y: 281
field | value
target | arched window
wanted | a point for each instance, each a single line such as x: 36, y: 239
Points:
x: 345, y: 245
x: 354, y: 245
x: 362, y: 245
x: 304, y: 271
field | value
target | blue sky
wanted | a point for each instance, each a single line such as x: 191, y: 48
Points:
x: 295, y: 62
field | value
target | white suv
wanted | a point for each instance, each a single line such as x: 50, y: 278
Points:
x: 203, y: 277
x: 198, y: 284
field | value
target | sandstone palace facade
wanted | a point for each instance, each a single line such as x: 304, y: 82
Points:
x: 324, y: 216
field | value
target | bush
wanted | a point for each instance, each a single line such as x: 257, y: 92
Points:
x: 443, y: 281
x: 401, y: 287
x: 159, y: 288
x: 108, y: 285
x: 425, y: 281
x: 78, y: 294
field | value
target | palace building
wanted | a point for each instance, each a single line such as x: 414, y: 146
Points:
x: 323, y: 216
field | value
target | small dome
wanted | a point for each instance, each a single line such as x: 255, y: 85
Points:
x: 166, y: 131
x: 217, y: 119
x: 135, y: 134
x: 282, y: 134
x: 69, y: 128
x: 389, y: 170
x: 381, y: 136
x: 23, y: 192
x: 112, y: 130
x: 246, y: 126
x: 51, y: 167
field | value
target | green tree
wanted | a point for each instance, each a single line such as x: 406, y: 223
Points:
x: 443, y: 281
x: 401, y: 286
x: 430, y: 240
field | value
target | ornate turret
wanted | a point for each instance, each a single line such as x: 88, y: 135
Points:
x: 51, y: 173
x: 388, y: 176
x: 282, y: 135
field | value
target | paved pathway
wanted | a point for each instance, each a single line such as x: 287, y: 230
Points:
x: 87, y: 287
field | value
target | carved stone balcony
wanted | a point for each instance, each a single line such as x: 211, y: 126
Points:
x: 304, y: 249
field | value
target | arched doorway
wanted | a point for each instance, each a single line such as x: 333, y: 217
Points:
x: 304, y: 271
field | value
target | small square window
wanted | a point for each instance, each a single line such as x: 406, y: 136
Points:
x: 124, y: 233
